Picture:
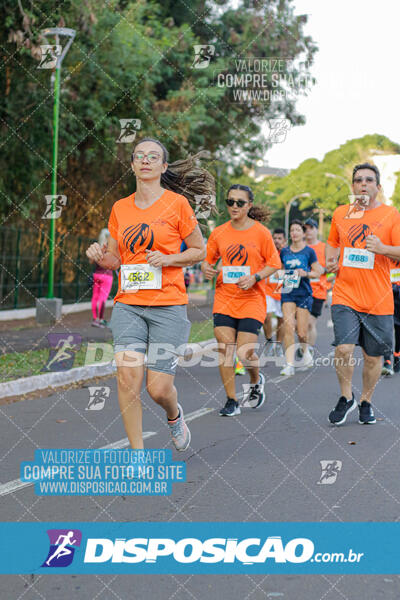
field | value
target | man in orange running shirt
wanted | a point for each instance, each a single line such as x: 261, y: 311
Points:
x: 361, y: 241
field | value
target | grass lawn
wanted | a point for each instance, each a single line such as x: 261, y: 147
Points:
x: 201, y: 292
x: 201, y: 330
x: 25, y: 364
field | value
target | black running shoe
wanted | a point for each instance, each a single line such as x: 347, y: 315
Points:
x: 367, y: 416
x: 396, y: 364
x: 256, y: 396
x: 339, y: 414
x: 230, y: 409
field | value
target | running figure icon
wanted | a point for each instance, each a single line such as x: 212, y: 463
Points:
x: 62, y: 346
x: 62, y: 549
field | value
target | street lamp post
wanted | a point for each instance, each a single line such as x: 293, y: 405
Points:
x: 287, y: 210
x: 49, y: 310
x: 333, y: 176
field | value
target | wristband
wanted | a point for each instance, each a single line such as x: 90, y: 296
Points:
x: 257, y: 277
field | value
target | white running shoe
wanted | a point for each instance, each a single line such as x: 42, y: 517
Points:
x: 307, y: 361
x: 180, y: 432
x: 287, y: 371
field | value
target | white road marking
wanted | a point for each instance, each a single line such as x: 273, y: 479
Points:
x: 17, y: 484
x: 281, y: 378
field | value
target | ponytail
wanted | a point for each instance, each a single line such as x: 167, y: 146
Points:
x: 259, y: 213
x: 187, y: 178
x: 256, y: 212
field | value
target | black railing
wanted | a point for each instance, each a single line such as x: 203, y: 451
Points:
x: 24, y: 267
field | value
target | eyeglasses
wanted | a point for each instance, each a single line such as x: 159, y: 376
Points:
x: 151, y: 156
x: 239, y: 203
x: 361, y: 179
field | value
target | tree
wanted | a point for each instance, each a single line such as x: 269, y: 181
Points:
x: 327, y: 192
x: 135, y: 59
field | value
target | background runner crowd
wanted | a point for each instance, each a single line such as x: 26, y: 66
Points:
x: 262, y: 281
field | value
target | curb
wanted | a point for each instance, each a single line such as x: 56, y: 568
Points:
x: 24, y: 385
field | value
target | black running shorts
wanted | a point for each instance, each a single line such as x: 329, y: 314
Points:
x: 316, y: 308
x: 248, y: 325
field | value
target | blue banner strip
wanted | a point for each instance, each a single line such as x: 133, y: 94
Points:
x: 100, y: 548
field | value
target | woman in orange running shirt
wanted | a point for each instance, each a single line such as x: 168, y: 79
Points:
x: 146, y: 232
x: 248, y: 255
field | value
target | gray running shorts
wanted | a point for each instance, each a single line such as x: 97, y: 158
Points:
x: 160, y: 331
x: 374, y: 333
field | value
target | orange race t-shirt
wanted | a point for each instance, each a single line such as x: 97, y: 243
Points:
x: 162, y: 226
x: 270, y: 286
x: 319, y: 287
x: 254, y: 248
x: 366, y: 290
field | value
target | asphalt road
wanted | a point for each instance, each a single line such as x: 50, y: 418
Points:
x: 263, y: 465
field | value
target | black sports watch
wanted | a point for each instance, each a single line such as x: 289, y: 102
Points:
x: 257, y: 277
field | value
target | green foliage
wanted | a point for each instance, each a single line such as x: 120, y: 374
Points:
x: 130, y: 59
x: 396, y: 193
x: 326, y: 192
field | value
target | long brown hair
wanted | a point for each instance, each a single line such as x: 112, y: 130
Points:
x: 186, y: 177
x: 256, y: 212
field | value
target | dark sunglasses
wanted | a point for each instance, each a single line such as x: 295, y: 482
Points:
x: 239, y: 203
x: 361, y: 179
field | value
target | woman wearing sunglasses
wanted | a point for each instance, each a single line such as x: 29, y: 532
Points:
x: 149, y: 314
x: 248, y: 255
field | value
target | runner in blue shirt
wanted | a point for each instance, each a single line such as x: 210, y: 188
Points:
x: 297, y: 295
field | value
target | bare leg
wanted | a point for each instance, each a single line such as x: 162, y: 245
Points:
x: 312, y: 330
x: 279, y: 330
x: 162, y: 390
x: 245, y: 350
x: 344, y: 370
x: 289, y: 320
x: 130, y: 379
x: 226, y: 338
x: 267, y: 326
x: 302, y: 320
x: 370, y: 375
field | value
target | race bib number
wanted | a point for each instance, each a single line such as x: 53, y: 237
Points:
x: 395, y: 275
x: 358, y: 258
x: 291, y: 279
x: 232, y: 274
x: 274, y: 277
x: 140, y: 277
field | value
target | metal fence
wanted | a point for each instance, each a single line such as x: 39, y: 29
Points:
x: 24, y: 267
